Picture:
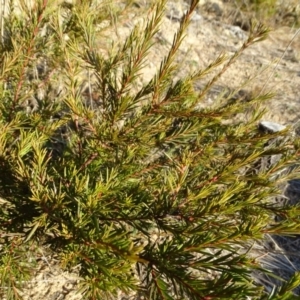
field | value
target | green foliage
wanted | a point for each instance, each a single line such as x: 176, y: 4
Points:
x: 268, y: 7
x: 272, y: 12
x: 137, y: 185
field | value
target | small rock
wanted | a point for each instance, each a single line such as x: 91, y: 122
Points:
x: 270, y: 126
x: 196, y: 17
x: 213, y: 8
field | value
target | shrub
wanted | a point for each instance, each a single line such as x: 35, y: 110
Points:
x: 141, y: 187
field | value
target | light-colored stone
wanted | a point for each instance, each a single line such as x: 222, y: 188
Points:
x: 271, y: 126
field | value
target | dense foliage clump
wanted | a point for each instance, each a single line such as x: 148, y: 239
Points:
x: 139, y: 185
